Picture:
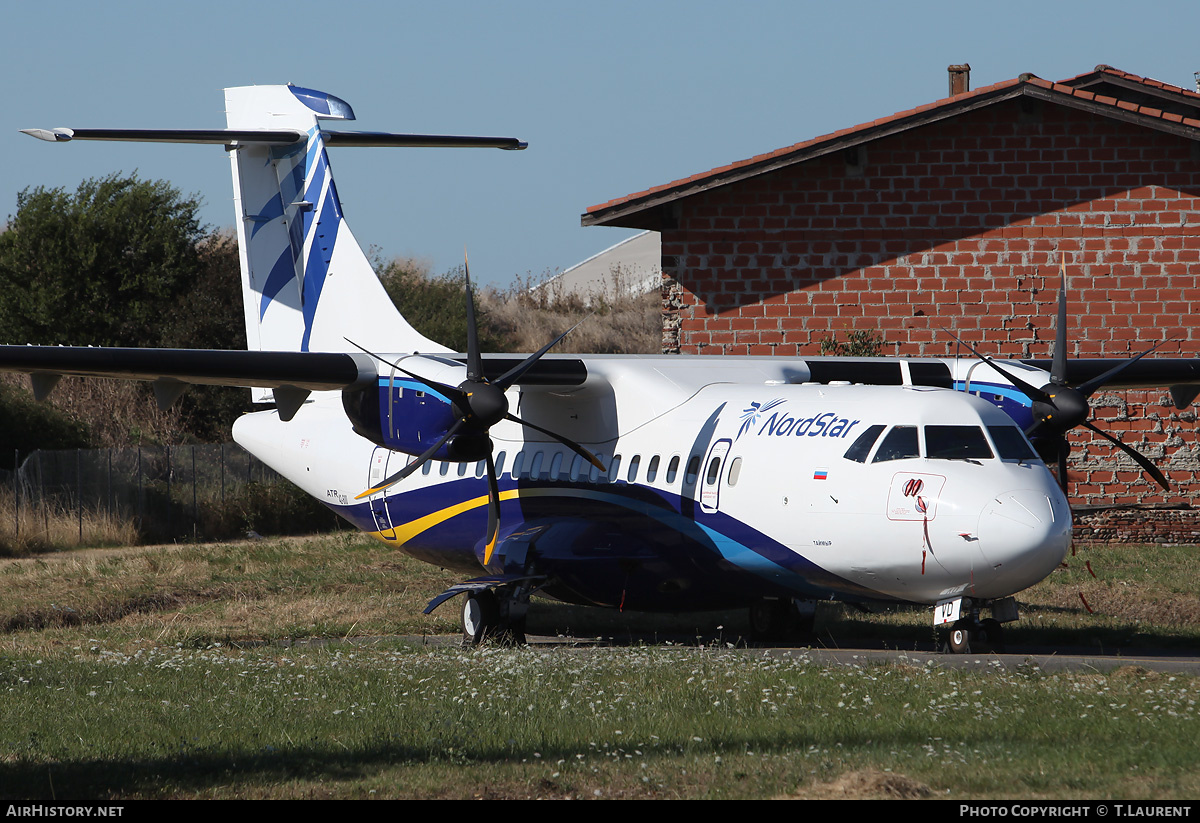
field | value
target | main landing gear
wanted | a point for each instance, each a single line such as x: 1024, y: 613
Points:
x: 495, y: 614
x: 775, y: 619
x: 972, y: 634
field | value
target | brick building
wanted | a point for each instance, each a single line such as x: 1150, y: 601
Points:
x: 954, y: 215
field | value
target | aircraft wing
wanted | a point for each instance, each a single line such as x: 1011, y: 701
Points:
x: 1179, y: 375
x: 312, y: 371
x: 1148, y: 373
x: 292, y: 376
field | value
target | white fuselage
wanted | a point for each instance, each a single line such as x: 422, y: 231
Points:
x: 750, y: 480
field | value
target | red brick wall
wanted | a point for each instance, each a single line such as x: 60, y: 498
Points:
x: 960, y: 225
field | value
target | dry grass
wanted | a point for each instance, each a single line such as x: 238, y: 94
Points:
x: 867, y: 784
x: 610, y: 320
x: 328, y: 586
x: 49, y: 526
x: 116, y: 413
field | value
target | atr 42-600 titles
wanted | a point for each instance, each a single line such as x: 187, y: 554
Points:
x: 653, y: 483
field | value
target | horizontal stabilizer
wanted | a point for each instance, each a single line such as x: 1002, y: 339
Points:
x: 282, y: 137
x: 380, y: 139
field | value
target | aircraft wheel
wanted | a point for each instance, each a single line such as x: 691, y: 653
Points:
x: 773, y: 619
x: 991, y: 631
x: 480, y: 617
x: 960, y: 639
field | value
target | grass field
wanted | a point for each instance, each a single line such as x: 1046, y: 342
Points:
x: 281, y: 669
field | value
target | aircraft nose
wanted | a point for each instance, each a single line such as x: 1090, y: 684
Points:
x: 1024, y: 535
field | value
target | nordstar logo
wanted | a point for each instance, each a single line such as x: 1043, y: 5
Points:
x: 826, y: 424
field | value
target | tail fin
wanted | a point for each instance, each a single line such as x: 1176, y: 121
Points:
x: 306, y: 284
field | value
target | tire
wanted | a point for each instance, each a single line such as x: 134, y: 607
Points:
x: 992, y: 633
x: 960, y: 639
x: 480, y: 617
x: 780, y: 620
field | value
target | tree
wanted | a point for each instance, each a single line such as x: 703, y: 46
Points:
x: 124, y: 262
x: 104, y: 266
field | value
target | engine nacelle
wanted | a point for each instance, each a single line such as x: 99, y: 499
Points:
x: 407, y: 416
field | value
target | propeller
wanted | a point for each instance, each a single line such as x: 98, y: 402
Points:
x: 479, y: 404
x: 1059, y: 407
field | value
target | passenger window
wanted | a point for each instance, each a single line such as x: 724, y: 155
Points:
x: 499, y: 465
x: 693, y: 469
x: 634, y: 462
x: 956, y: 443
x: 535, y: 468
x: 427, y: 467
x: 672, y: 469
x: 594, y: 475
x: 652, y: 469
x: 518, y: 464
x: 714, y: 471
x: 462, y: 469
x: 443, y: 468
x: 556, y: 466
x: 861, y: 447
x: 576, y: 466
x: 480, y: 468
x: 1011, y: 443
x: 735, y: 471
x: 614, y: 469
x: 898, y: 444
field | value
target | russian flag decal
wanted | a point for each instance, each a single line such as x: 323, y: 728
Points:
x: 821, y: 474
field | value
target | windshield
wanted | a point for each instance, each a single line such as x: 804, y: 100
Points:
x: 956, y: 443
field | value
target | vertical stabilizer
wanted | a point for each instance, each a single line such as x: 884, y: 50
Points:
x: 306, y: 284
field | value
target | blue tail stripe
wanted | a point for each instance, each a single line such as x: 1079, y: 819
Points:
x: 283, y: 272
x: 271, y: 211
x: 329, y: 219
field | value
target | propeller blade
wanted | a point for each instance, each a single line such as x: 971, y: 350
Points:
x: 1032, y: 392
x: 1058, y: 367
x: 1088, y: 388
x: 570, y: 444
x: 474, y: 358
x: 493, y: 528
x: 416, y: 464
x: 1064, y: 451
x: 515, y: 373
x: 1137, y: 456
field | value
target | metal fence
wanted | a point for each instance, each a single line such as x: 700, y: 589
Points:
x: 166, y: 492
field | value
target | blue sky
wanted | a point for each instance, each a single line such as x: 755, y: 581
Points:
x: 613, y: 97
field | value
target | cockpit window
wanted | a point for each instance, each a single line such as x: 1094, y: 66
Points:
x: 861, y: 447
x: 1011, y: 443
x: 956, y: 443
x: 899, y: 443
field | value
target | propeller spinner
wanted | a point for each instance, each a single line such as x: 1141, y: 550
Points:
x: 479, y: 404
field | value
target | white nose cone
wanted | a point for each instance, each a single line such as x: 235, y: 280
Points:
x: 1024, y: 535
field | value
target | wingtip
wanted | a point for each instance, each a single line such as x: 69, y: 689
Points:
x: 50, y: 135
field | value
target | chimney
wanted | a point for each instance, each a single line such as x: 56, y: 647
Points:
x: 960, y: 78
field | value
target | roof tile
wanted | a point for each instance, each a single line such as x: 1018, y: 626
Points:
x: 947, y: 102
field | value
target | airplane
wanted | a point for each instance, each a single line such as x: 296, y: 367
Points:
x: 656, y: 483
